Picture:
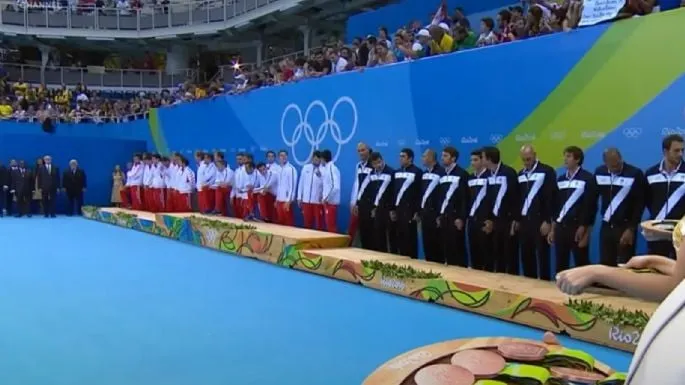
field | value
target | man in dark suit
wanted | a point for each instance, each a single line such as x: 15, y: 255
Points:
x: 74, y: 184
x: 49, y: 183
x: 4, y: 188
x: 8, y: 197
x: 22, y: 189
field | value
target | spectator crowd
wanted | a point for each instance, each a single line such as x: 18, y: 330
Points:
x: 24, y: 102
x: 445, y: 34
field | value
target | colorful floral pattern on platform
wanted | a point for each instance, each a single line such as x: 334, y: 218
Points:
x: 589, y: 320
x: 293, y: 257
x: 174, y: 227
x: 89, y: 212
x: 443, y: 291
x: 352, y: 271
x: 501, y: 304
x: 126, y: 220
x: 560, y: 316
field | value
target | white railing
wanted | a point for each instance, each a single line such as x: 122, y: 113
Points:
x: 125, y: 18
x: 98, y: 77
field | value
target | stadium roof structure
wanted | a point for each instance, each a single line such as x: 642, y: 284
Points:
x: 234, y: 23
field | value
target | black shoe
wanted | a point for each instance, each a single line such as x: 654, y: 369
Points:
x: 29, y: 215
x: 17, y: 216
x: 53, y: 216
x: 46, y: 215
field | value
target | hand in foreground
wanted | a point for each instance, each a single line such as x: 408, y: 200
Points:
x: 661, y: 264
x: 639, y: 262
x: 575, y: 281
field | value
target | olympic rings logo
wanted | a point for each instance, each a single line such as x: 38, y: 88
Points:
x: 632, y: 132
x: 495, y: 138
x: 316, y: 138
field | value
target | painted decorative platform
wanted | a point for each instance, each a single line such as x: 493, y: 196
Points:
x: 267, y: 242
x: 402, y: 369
x: 602, y: 316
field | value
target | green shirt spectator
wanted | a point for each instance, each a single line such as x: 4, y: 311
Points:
x: 464, y: 39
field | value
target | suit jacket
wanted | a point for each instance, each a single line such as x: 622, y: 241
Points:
x: 48, y: 181
x: 22, y: 183
x: 4, y: 177
x: 74, y: 182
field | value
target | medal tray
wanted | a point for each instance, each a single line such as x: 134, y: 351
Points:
x: 402, y: 369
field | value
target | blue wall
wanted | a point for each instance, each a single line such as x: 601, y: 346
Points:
x: 96, y: 147
x: 397, y: 15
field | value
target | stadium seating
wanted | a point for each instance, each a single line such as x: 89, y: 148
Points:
x: 81, y: 100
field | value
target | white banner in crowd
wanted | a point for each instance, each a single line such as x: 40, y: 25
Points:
x: 597, y: 11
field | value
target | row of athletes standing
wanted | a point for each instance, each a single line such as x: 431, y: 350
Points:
x: 498, y: 219
x: 263, y: 191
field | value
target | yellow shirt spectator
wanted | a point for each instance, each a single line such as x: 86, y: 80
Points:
x: 6, y: 110
x: 445, y: 45
x: 20, y: 88
x: 200, y: 93
x: 441, y: 41
x: 63, y: 97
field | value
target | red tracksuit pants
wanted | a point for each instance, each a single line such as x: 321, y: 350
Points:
x: 285, y: 214
x: 156, y: 201
x: 205, y: 200
x: 125, y: 197
x: 145, y: 198
x: 330, y: 215
x: 237, y: 207
x: 183, y: 203
x: 248, y: 205
x: 312, y: 215
x: 170, y: 200
x: 136, y: 197
x: 266, y: 206
x: 221, y: 195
